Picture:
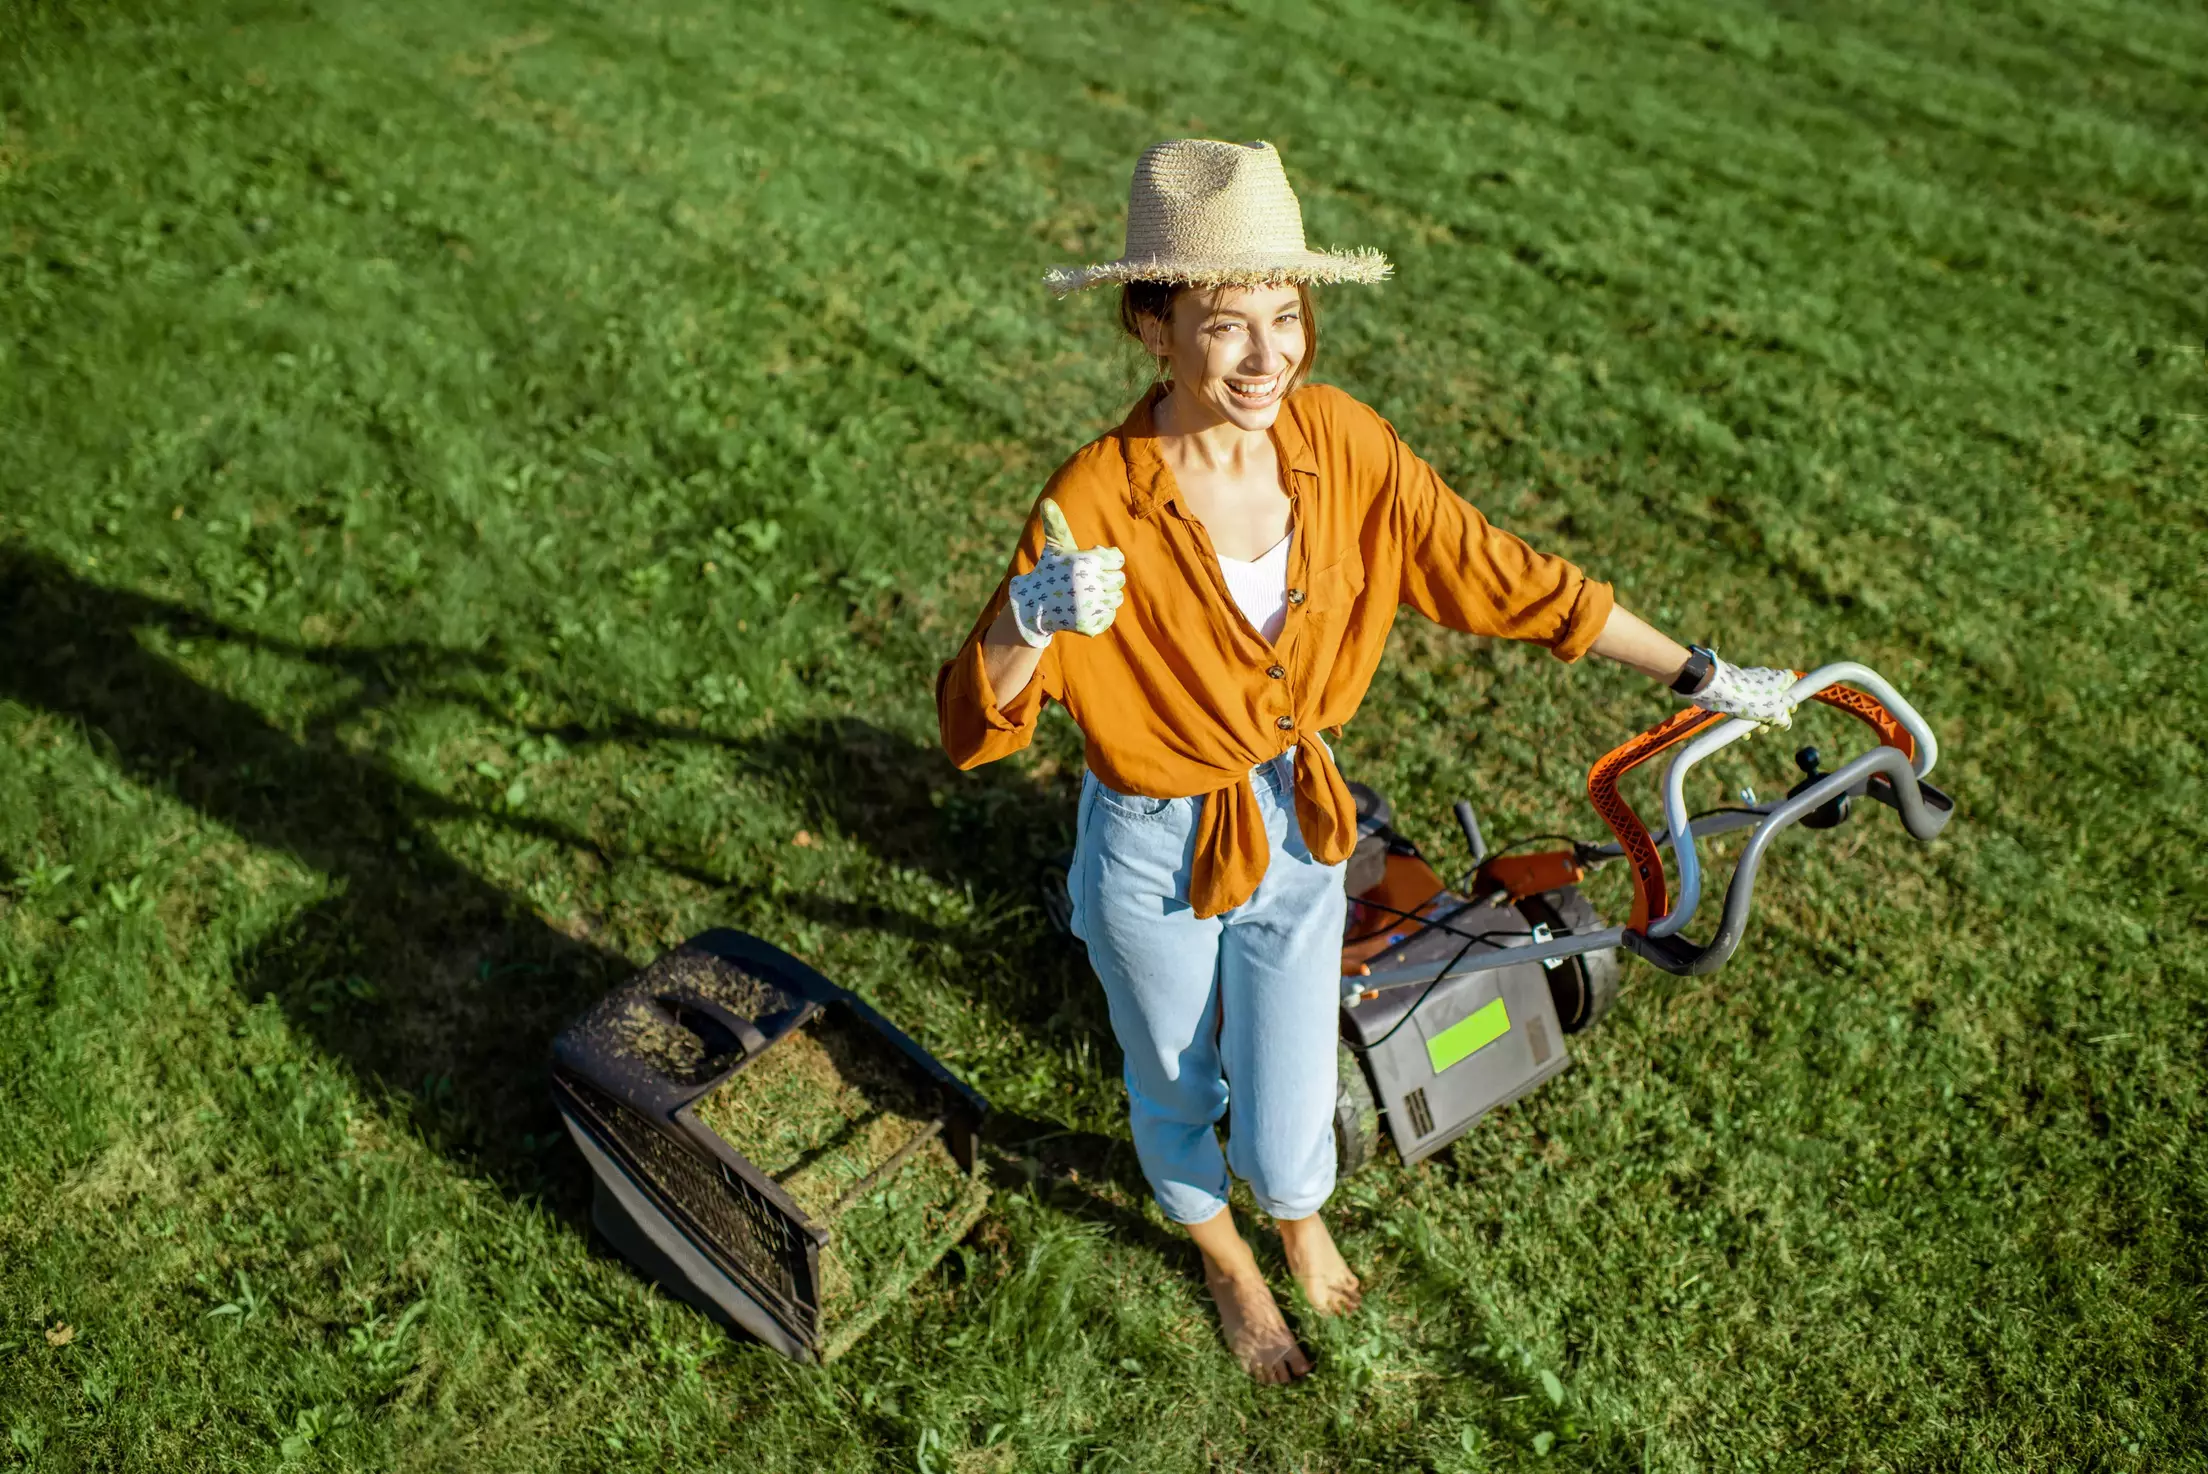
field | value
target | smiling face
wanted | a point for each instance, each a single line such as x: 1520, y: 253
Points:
x: 1235, y: 352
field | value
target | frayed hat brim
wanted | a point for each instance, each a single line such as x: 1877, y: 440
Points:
x: 1317, y: 268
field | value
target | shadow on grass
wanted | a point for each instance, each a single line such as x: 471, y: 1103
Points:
x: 419, y: 974
x: 445, y: 991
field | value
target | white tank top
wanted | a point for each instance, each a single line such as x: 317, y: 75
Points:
x: 1260, y: 589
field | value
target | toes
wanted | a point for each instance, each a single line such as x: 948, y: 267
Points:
x: 1279, y: 1366
x: 1333, y: 1291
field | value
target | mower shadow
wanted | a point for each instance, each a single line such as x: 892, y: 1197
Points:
x: 422, y: 977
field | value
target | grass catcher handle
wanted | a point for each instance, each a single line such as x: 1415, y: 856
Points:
x: 741, y: 1029
x: 1924, y: 813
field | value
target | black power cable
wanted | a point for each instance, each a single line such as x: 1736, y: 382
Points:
x: 1470, y: 937
x: 1507, y: 846
x: 1440, y: 977
x: 1431, y: 923
x: 1461, y: 883
x: 1503, y: 849
x: 1442, y: 925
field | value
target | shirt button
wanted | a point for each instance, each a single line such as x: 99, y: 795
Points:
x: 1277, y: 672
x: 1295, y: 596
x: 1286, y: 724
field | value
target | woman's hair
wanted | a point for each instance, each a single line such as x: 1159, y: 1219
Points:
x: 1157, y: 299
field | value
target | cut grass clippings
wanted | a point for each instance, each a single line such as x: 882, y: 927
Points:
x: 822, y: 1111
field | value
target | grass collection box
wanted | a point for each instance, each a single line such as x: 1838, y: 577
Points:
x: 766, y: 1146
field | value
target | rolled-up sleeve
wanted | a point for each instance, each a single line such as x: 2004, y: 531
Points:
x: 1464, y: 572
x: 976, y: 727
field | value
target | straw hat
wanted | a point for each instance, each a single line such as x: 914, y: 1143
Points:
x: 1214, y: 214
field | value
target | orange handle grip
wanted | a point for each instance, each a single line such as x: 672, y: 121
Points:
x: 1651, y: 896
x: 1873, y: 712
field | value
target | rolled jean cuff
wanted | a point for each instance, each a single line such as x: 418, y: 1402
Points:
x: 1188, y: 1206
x: 1301, y: 1206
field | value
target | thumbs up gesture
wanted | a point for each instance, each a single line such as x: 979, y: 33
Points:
x: 1072, y: 588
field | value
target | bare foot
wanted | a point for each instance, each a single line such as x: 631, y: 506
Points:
x: 1256, y: 1333
x: 1252, y: 1324
x: 1319, y: 1267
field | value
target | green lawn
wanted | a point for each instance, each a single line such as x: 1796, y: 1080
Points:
x: 484, y: 490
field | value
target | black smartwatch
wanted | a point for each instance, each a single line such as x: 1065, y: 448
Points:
x: 1692, y: 675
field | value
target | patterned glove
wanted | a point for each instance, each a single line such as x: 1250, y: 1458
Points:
x: 1071, y: 588
x: 1757, y: 693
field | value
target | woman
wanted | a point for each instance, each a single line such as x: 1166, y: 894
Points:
x: 1205, y: 589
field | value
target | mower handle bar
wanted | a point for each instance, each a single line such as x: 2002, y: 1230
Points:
x: 1355, y: 987
x: 1724, y: 821
x: 1923, y: 815
x: 1724, y: 734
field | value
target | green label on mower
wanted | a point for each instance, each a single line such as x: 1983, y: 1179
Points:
x: 1468, y: 1035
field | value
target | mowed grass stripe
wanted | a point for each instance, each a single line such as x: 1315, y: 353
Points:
x: 803, y: 259
x: 1988, y: 128
x: 898, y: 204
x: 1895, y: 378
x: 1871, y: 563
x: 1896, y: 561
x: 791, y: 455
x: 1434, y: 70
x: 1883, y: 1164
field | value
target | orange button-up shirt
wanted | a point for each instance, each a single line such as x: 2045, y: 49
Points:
x: 1182, y: 697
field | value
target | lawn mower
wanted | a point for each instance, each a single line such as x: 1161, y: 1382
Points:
x: 1457, y: 999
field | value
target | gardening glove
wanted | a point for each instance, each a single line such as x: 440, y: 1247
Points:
x: 1755, y: 692
x: 1072, y: 588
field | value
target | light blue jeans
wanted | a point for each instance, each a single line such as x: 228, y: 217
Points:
x: 1247, y: 1001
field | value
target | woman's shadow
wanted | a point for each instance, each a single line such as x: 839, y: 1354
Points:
x: 436, y: 985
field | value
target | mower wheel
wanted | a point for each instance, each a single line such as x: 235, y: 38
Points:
x: 1374, y: 812
x: 1368, y: 862
x: 1585, y: 986
x: 1356, y: 1115
x: 1057, y: 898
